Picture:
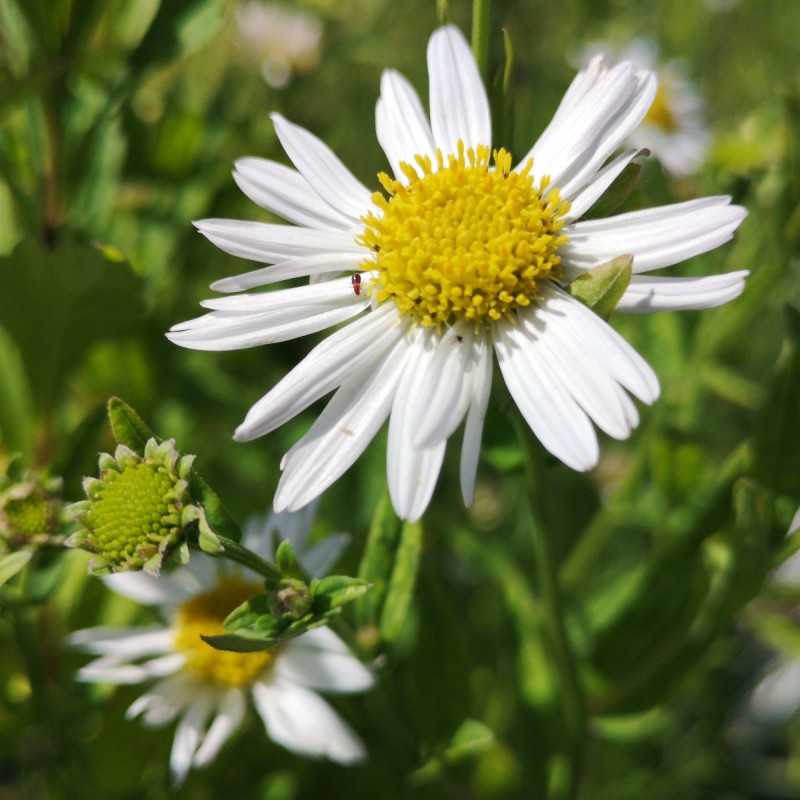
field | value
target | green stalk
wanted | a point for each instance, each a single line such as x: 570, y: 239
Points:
x: 233, y: 551
x: 572, y: 706
x: 481, y: 13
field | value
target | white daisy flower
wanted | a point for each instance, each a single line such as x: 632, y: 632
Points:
x: 462, y: 258
x: 207, y: 690
x: 283, y: 39
x: 674, y: 128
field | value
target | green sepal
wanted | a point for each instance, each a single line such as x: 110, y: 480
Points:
x: 287, y: 562
x: 619, y: 191
x: 128, y: 427
x: 602, y: 288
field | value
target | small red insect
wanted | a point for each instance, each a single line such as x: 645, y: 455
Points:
x: 356, y: 281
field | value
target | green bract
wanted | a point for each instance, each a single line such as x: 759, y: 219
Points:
x: 138, y: 511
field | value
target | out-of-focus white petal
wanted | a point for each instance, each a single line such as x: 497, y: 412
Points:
x: 285, y: 192
x: 230, y: 714
x: 648, y: 294
x: 123, y: 642
x: 323, y: 662
x: 326, y: 175
x: 189, y: 734
x: 303, y: 722
x: 459, y: 106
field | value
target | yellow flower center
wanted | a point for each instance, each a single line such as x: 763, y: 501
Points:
x: 464, y: 241
x: 204, y: 614
x: 660, y: 115
x: 29, y: 516
x: 133, y: 511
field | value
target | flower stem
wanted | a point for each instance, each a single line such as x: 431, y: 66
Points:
x: 233, y: 551
x: 481, y: 13
x: 572, y: 709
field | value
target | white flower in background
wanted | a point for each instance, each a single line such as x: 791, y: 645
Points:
x: 207, y: 690
x: 270, y: 529
x: 674, y: 128
x: 460, y: 258
x: 283, y: 39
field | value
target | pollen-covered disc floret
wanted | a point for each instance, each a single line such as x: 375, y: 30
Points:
x: 204, y: 615
x: 137, y: 510
x: 465, y: 240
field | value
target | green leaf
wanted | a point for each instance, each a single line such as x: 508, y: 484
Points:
x: 376, y: 563
x: 252, y: 640
x: 286, y: 560
x: 56, y: 304
x: 12, y: 563
x: 400, y: 591
x: 16, y: 407
x: 471, y: 738
x: 602, y: 288
x: 777, y: 456
x: 336, y: 590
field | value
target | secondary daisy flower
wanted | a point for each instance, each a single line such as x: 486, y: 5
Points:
x: 674, y: 128
x: 207, y: 690
x: 463, y: 255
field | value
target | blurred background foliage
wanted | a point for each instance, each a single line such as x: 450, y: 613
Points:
x: 119, y: 125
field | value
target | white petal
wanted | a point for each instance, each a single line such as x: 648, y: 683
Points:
x: 146, y: 589
x: 285, y: 192
x: 164, y: 701
x: 272, y: 243
x: 411, y: 471
x: 602, y: 343
x: 318, y: 560
x: 313, y: 267
x: 402, y: 127
x: 459, y: 107
x: 303, y: 722
x: 343, y: 430
x: 555, y: 418
x: 324, y: 172
x: 441, y: 383
x: 230, y: 714
x: 655, y: 237
x: 586, y: 380
x: 274, y: 316
x: 123, y: 642
x: 646, y: 294
x: 188, y: 735
x: 473, y: 430
x: 323, y: 662
x: 589, y: 194
x: 327, y: 366
x: 594, y: 118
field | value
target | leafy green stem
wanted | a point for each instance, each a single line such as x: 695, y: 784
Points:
x: 233, y: 551
x: 573, y: 705
x: 481, y: 13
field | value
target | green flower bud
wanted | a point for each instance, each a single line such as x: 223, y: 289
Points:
x: 138, y: 511
x: 30, y: 511
x: 290, y: 599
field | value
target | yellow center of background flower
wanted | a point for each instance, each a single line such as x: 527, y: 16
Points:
x: 660, y: 115
x: 204, y: 614
x: 466, y: 241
